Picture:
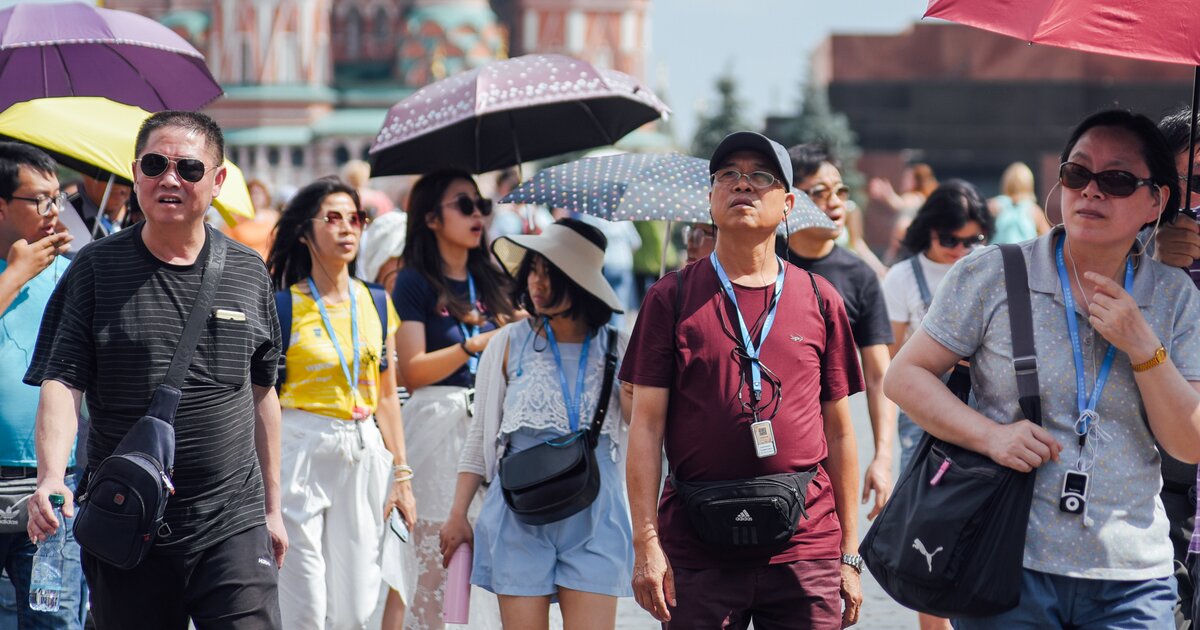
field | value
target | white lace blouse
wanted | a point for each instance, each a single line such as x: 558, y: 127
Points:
x: 528, y: 395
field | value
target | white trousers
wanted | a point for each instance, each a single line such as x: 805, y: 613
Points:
x: 334, y: 480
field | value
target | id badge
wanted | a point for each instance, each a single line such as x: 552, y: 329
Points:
x: 764, y: 438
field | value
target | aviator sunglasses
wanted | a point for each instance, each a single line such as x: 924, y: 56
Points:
x: 335, y: 218
x: 467, y: 206
x: 1111, y: 183
x: 190, y: 169
x: 950, y: 241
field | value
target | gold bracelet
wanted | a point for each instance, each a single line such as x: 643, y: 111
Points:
x: 402, y: 468
x: 404, y: 478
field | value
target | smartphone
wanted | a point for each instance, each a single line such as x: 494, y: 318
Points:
x: 396, y: 523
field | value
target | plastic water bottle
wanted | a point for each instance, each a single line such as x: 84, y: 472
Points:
x: 45, y: 581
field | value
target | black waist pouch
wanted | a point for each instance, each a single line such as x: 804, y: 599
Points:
x: 756, y: 512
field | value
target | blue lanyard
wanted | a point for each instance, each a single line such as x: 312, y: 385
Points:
x: 472, y: 360
x: 1086, y: 405
x: 351, y: 372
x: 573, y: 402
x: 747, y: 342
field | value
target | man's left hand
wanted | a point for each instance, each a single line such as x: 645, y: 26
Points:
x: 279, y: 539
x: 851, y: 595
x: 878, y: 480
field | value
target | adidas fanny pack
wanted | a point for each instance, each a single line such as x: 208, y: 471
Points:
x: 757, y: 512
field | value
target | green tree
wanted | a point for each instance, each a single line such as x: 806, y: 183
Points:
x: 725, y: 119
x: 816, y: 122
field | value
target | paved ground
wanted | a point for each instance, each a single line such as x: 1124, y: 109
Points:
x: 879, y: 611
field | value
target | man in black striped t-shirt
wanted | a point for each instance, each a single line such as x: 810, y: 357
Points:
x: 109, y: 332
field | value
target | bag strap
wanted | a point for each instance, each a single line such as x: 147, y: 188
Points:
x: 1020, y: 318
x: 610, y: 369
x: 379, y: 296
x: 165, y: 400
x: 922, y: 284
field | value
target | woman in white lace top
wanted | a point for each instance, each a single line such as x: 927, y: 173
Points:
x: 526, y: 378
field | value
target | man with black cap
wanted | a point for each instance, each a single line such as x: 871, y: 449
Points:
x: 741, y: 367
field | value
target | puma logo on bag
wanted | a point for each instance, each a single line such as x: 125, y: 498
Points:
x: 920, y: 546
x: 744, y: 517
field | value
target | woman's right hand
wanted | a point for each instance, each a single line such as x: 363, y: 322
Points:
x: 1021, y: 445
x: 455, y: 531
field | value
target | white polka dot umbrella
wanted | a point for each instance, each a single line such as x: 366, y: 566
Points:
x: 507, y: 112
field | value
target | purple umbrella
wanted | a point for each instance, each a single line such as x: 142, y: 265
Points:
x: 73, y: 49
x: 507, y: 112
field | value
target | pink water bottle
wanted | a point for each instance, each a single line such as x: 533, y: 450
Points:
x: 456, y: 599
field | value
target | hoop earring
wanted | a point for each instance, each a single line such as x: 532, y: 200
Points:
x: 1046, y: 204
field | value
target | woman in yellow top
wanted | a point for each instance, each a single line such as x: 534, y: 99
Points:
x: 343, y: 461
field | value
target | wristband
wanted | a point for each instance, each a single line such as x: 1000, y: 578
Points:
x: 463, y: 345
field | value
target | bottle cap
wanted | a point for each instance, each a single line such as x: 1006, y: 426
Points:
x: 57, y: 500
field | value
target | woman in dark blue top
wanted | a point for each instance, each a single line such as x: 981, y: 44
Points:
x: 451, y: 298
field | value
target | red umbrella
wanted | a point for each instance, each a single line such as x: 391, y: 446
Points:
x: 1139, y: 29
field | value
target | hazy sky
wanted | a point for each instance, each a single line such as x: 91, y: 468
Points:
x: 767, y: 43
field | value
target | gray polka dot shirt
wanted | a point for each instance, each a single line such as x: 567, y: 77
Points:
x: 1126, y: 534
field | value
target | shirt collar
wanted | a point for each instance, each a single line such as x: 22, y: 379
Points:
x: 1043, y: 271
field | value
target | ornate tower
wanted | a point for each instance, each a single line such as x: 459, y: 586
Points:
x: 607, y: 33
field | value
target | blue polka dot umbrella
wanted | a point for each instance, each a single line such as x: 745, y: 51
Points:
x: 642, y: 187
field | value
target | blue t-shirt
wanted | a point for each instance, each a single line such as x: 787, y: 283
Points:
x: 416, y: 301
x: 18, y: 334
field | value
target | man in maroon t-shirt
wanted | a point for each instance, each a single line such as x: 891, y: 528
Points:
x: 687, y: 362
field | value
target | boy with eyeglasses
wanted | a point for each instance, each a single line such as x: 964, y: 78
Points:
x: 109, y: 332
x: 818, y: 175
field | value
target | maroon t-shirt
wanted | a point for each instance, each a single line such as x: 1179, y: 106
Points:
x: 707, y: 430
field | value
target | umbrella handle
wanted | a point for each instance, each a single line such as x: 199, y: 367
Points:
x: 103, y: 204
x: 662, y: 265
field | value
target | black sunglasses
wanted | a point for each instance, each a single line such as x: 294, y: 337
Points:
x: 467, y: 206
x: 950, y: 241
x: 1111, y: 183
x: 189, y: 169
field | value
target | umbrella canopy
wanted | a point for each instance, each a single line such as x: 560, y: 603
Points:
x: 508, y: 112
x: 74, y: 49
x: 1154, y: 31
x: 641, y: 187
x: 95, y: 136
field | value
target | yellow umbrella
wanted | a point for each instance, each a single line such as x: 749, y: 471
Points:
x: 95, y: 136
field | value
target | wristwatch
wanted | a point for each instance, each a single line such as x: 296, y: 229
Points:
x: 854, y: 561
x: 1160, y: 356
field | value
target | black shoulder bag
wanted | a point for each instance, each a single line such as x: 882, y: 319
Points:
x: 559, y: 478
x: 121, y: 510
x: 951, y: 540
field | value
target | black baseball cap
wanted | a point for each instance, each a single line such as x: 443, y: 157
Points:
x: 758, y: 143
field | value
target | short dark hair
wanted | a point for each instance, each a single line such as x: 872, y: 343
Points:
x: 951, y: 206
x: 289, y: 260
x: 1176, y: 127
x: 191, y: 121
x: 1156, y: 153
x: 808, y: 158
x: 14, y: 155
x: 594, y: 311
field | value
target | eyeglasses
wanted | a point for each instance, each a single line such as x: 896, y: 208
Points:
x: 820, y: 194
x: 1195, y: 182
x: 356, y: 220
x: 1111, y: 183
x: 731, y: 177
x: 190, y: 169
x: 950, y: 241
x: 695, y: 236
x: 44, y: 202
x: 467, y: 206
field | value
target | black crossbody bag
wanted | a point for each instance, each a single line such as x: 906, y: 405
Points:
x: 756, y: 512
x: 559, y: 478
x: 951, y: 540
x: 121, y: 510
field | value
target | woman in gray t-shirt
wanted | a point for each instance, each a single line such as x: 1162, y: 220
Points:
x: 1103, y: 559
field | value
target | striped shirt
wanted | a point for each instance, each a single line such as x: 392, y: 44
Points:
x: 110, y: 330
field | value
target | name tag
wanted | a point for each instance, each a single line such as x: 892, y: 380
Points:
x: 764, y: 438
x: 230, y: 316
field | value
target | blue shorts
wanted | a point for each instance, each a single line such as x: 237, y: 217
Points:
x: 910, y: 434
x: 1057, y: 601
x: 591, y: 551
